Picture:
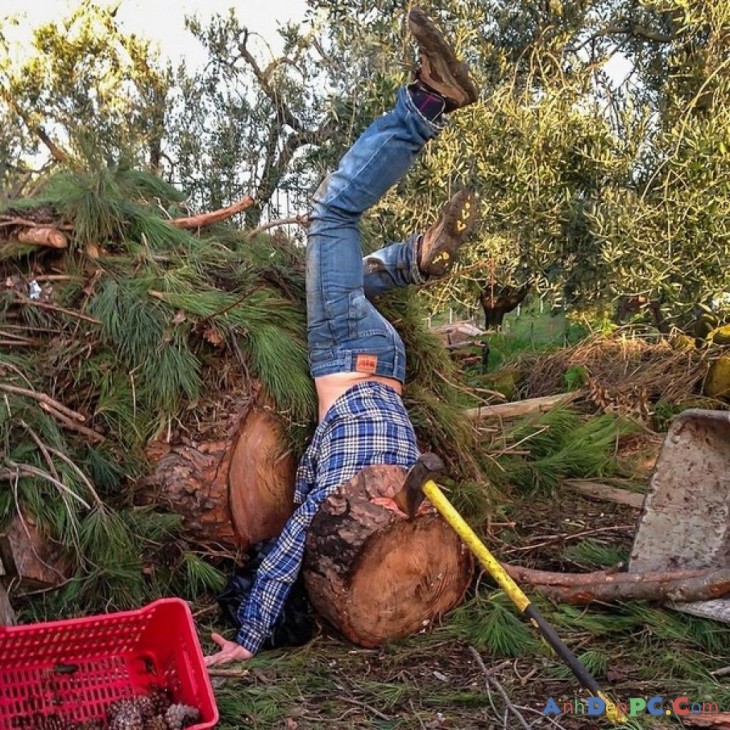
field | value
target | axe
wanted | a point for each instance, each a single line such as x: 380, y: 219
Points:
x: 419, y: 484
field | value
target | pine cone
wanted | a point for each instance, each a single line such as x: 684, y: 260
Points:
x: 146, y: 707
x: 156, y: 723
x: 125, y: 715
x: 179, y: 716
x: 160, y: 699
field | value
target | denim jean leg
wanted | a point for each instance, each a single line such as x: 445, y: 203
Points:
x: 341, y: 321
x: 392, y: 267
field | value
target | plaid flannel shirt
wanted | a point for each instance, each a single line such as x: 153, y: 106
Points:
x: 367, y: 425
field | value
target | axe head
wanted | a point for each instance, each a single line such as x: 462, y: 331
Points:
x: 411, y: 495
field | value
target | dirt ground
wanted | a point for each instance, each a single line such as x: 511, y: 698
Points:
x: 438, y: 679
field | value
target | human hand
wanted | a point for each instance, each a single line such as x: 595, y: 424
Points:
x: 230, y: 652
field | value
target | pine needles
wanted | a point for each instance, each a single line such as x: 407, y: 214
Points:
x: 562, y: 445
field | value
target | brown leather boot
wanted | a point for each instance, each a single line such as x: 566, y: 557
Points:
x: 437, y: 251
x: 439, y: 68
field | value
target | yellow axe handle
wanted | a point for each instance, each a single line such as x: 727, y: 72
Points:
x: 516, y: 595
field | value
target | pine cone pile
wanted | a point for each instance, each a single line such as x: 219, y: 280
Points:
x: 150, y: 712
x: 180, y: 716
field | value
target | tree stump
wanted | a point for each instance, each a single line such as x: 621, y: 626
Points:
x: 375, y: 574
x: 233, y: 485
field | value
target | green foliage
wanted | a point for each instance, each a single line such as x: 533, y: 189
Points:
x: 595, y: 555
x: 101, y: 92
x: 491, y: 624
x: 576, y: 377
x: 561, y: 445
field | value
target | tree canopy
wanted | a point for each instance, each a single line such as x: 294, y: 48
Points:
x: 594, y: 183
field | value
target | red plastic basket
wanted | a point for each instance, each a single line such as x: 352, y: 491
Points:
x: 75, y: 669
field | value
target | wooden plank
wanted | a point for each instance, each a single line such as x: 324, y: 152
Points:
x: 605, y: 492
x: 522, y: 407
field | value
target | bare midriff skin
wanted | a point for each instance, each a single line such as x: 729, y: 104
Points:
x: 331, y: 387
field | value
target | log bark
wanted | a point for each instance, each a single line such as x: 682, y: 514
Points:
x: 718, y: 721
x: 215, y: 216
x: 523, y: 407
x: 7, y: 615
x: 679, y: 586
x: 376, y: 575
x: 232, y: 490
x: 29, y: 557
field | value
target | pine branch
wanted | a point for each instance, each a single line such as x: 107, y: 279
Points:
x: 53, y: 308
x: 207, y: 219
x: 43, y: 399
x: 301, y: 220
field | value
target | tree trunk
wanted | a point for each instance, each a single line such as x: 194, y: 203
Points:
x: 232, y: 491
x: 373, y: 573
x: 498, y: 300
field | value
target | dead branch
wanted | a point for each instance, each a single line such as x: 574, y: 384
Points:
x: 53, y: 308
x: 73, y: 426
x: 56, y: 152
x: 491, y: 679
x: 301, y: 220
x: 718, y: 721
x: 43, y: 236
x: 28, y: 470
x: 605, y: 492
x: 44, y: 399
x: 522, y: 408
x: 9, y: 220
x: 215, y: 216
x: 679, y: 586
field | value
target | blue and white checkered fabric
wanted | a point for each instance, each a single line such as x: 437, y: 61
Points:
x: 366, y: 426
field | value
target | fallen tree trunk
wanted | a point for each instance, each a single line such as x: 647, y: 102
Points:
x: 522, y: 407
x: 679, y: 586
x: 233, y: 488
x: 373, y: 573
x: 605, y: 492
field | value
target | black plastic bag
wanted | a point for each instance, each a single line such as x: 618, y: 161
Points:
x: 294, y: 627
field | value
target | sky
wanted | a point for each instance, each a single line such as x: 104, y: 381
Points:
x: 163, y: 21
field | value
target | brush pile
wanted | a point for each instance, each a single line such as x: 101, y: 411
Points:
x: 135, y: 352
x: 623, y: 372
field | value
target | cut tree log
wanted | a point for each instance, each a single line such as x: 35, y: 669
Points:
x: 234, y: 487
x: 261, y: 478
x: 522, y: 407
x: 43, y: 236
x: 605, y: 492
x: 373, y: 573
x: 679, y: 586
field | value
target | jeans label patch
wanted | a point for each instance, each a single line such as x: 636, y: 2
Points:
x: 366, y: 364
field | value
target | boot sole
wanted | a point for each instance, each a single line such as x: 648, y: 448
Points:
x: 458, y: 220
x: 452, y: 73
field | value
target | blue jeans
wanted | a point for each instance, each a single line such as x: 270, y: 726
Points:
x: 345, y: 331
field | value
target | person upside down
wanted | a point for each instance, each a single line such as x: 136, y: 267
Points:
x: 356, y: 357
